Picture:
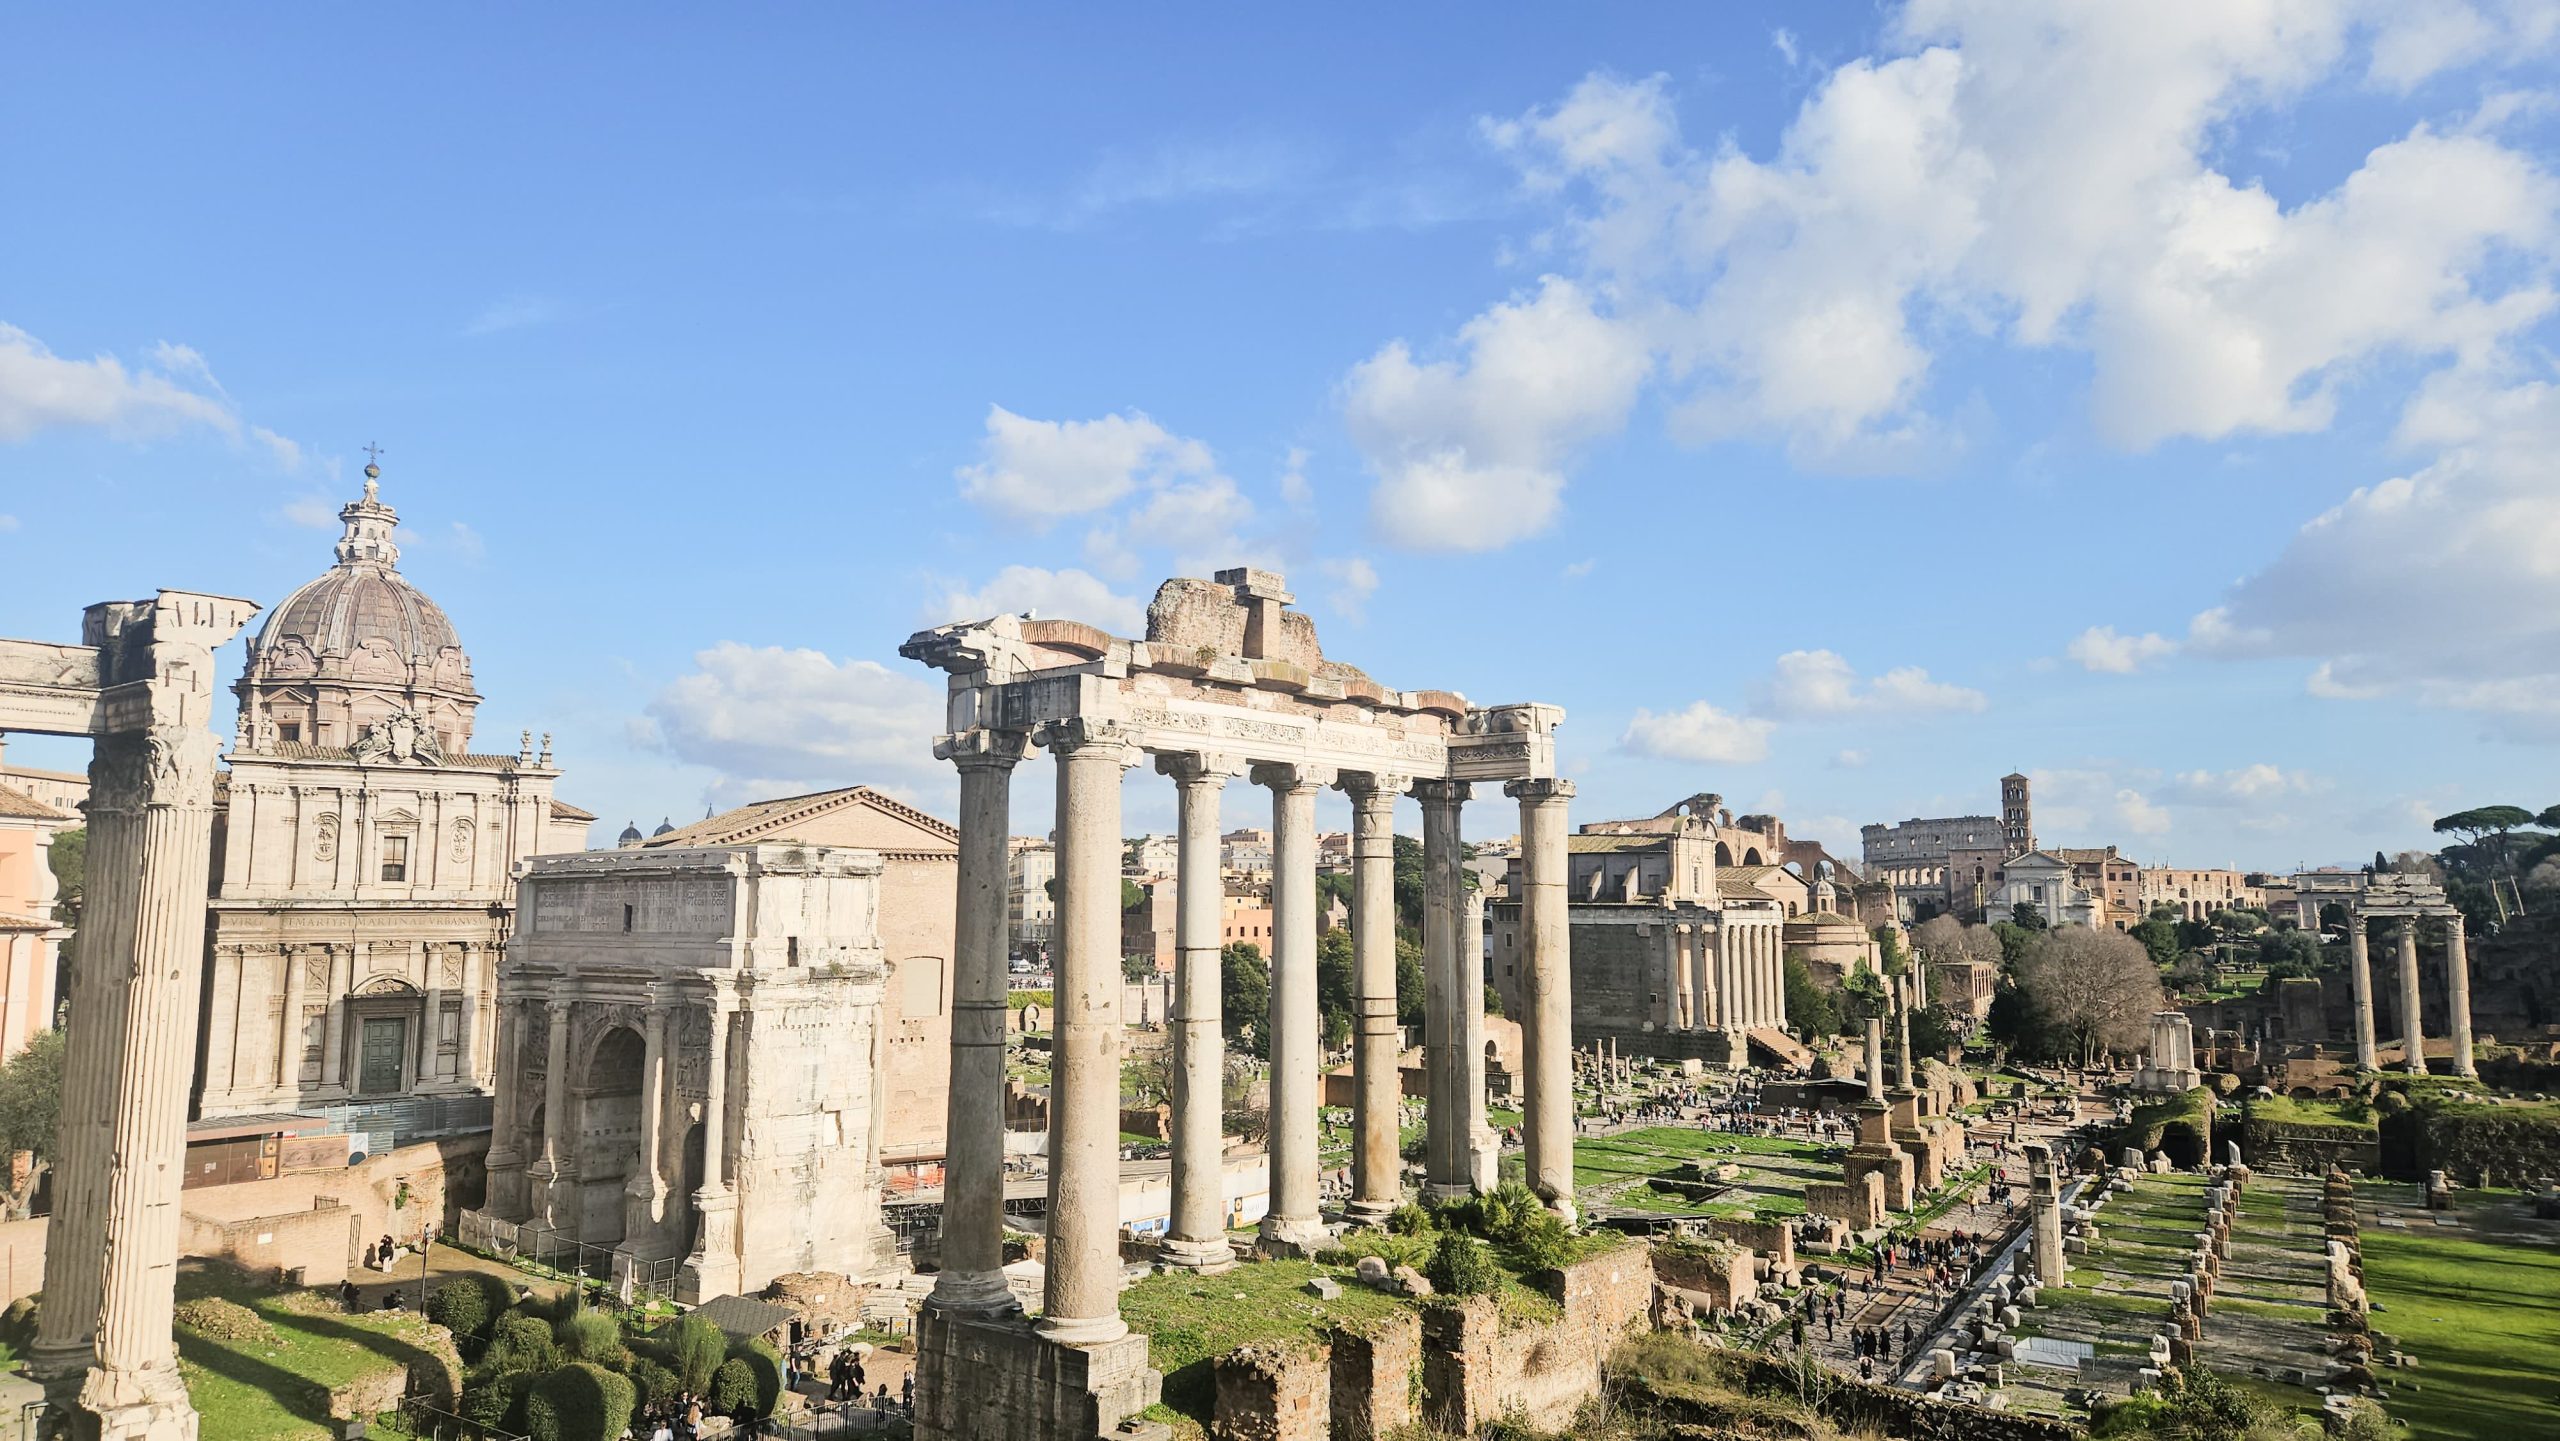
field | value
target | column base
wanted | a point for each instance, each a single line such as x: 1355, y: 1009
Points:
x: 1208, y: 1258
x: 974, y: 1293
x: 715, y: 1270
x: 1081, y: 1330
x: 102, y: 1405
x: 1445, y: 1192
x: 1358, y: 1213
x: 1291, y: 1237
x: 999, y: 1380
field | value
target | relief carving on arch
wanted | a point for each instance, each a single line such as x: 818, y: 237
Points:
x: 693, y: 1051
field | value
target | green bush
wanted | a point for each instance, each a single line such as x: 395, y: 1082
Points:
x: 18, y: 1323
x: 733, y: 1388
x: 654, y: 1382
x: 462, y: 1307
x: 579, y: 1402
x: 1410, y: 1219
x: 695, y: 1349
x: 594, y: 1336
x: 519, y: 1342
x: 489, y: 1397
x: 766, y: 1364
x: 224, y: 1320
x: 1460, y: 1266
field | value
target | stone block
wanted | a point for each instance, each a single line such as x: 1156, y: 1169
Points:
x: 1324, y: 1288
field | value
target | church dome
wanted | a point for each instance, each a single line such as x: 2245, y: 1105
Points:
x: 356, y: 646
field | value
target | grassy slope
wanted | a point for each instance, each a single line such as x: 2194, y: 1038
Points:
x: 1190, y: 1321
x: 2483, y: 1321
x: 279, y: 1391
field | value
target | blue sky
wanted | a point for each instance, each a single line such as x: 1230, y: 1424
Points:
x: 1832, y: 407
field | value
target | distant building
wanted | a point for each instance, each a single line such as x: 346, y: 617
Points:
x: 2110, y: 875
x: 64, y: 791
x: 1032, y: 912
x: 2198, y: 894
x: 1950, y: 863
x: 2045, y: 881
x: 1153, y: 855
x: 30, y: 939
x: 1246, y: 853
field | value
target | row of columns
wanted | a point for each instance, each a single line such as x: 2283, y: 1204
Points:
x: 2457, y: 960
x: 1727, y: 978
x: 1081, y: 1301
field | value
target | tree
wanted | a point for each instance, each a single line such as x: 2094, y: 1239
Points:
x: 1132, y: 895
x: 2027, y: 916
x: 1861, y: 995
x: 1934, y: 1030
x: 696, y: 1347
x: 1337, y: 975
x: 1813, y: 1006
x: 2015, y: 941
x: 2158, y: 936
x: 1244, y: 998
x: 1410, y: 982
x: 1492, y: 1000
x: 2088, y: 992
x: 1946, y: 941
x: 2289, y: 953
x: 31, y: 1111
x: 2483, y: 823
x: 68, y: 855
x: 1137, y: 966
x: 1889, y: 952
x: 1409, y: 876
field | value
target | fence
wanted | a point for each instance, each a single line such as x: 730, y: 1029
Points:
x: 427, y: 1421
x: 635, y: 1280
x: 380, y: 1126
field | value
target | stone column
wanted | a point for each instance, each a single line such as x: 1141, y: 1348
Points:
x: 430, y: 1019
x: 333, y: 1020
x: 2044, y: 1189
x: 1293, y: 1222
x: 1706, y: 964
x: 505, y: 1161
x: 1875, y: 1058
x: 2457, y: 992
x: 1449, y: 1126
x: 646, y: 1209
x: 1486, y: 1169
x: 1902, y: 1040
x: 1082, y: 1300
x: 1679, y: 1004
x: 712, y: 1269
x: 466, y: 1029
x: 1197, y: 1236
x: 289, y: 1051
x: 1377, y: 1170
x: 1546, y: 988
x: 104, y: 1344
x: 2412, y: 1018
x: 972, y: 1276
x: 2360, y: 974
x: 556, y: 1172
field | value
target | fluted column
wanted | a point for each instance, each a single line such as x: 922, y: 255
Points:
x: 1546, y: 1039
x: 556, y: 1171
x: 1907, y: 1073
x: 1875, y: 1058
x: 1082, y: 1300
x: 2457, y: 993
x: 469, y: 956
x: 104, y: 1335
x: 1377, y: 1179
x: 2360, y: 975
x: 1705, y: 961
x: 972, y: 1276
x: 713, y: 1269
x: 289, y: 1047
x: 1681, y: 1002
x: 646, y: 1209
x: 1778, y: 977
x: 1449, y: 1126
x: 1486, y: 1161
x: 333, y: 1019
x: 1197, y: 1236
x: 2412, y: 1019
x: 1293, y: 1222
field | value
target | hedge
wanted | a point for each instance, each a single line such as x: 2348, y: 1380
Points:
x: 579, y: 1402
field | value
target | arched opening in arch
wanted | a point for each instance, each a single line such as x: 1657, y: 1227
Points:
x: 1751, y: 857
x: 1724, y: 854
x: 608, y: 1117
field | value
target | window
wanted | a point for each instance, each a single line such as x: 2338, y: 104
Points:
x: 395, y: 858
x: 629, y: 913
x: 290, y: 732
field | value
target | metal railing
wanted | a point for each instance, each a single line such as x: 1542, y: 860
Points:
x: 427, y: 1421
x: 633, y: 1280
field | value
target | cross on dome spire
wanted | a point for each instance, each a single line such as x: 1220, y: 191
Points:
x: 368, y: 521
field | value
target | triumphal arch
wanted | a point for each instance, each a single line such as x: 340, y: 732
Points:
x: 1229, y: 683
x: 140, y: 683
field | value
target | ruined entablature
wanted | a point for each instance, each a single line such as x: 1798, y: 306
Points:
x: 1226, y: 668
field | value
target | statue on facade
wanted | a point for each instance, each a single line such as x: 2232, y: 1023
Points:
x: 399, y: 738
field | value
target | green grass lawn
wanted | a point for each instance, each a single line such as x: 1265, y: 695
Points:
x: 1190, y: 1321
x: 2286, y: 1111
x: 2483, y: 1320
x: 276, y: 1387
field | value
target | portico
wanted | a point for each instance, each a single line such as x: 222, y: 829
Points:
x: 1228, y: 683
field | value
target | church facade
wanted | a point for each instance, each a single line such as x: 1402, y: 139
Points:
x: 363, y: 852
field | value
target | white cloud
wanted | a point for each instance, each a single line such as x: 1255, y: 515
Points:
x: 40, y: 390
x: 2441, y: 586
x: 311, y: 512
x: 1580, y: 568
x: 1469, y: 451
x: 1054, y: 594
x: 514, y: 312
x: 1783, y: 41
x: 1700, y: 732
x: 2035, y: 176
x: 2101, y: 649
x: 2254, y: 785
x: 1848, y: 760
x: 1352, y: 581
x: 1820, y: 684
x: 1041, y: 470
x: 2138, y: 816
x: 773, y: 721
x: 466, y: 543
x: 1295, y: 490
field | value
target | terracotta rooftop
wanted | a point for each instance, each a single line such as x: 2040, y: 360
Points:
x: 762, y: 818
x: 19, y: 806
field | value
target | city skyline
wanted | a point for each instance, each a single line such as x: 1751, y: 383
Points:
x: 1492, y: 363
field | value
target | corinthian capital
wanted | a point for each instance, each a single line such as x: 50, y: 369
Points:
x: 982, y: 746
x: 164, y: 765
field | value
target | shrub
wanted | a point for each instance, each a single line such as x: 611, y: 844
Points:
x: 1410, y: 1220
x: 2393, y: 1103
x: 1461, y: 1267
x: 655, y: 1383
x: 224, y: 1320
x: 695, y: 1348
x: 593, y: 1336
x: 18, y: 1323
x: 765, y: 1364
x: 462, y: 1307
x: 579, y: 1402
x: 733, y: 1388
x: 490, y: 1397
x: 519, y: 1342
